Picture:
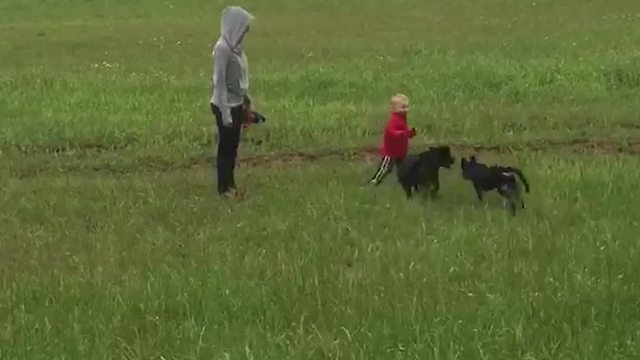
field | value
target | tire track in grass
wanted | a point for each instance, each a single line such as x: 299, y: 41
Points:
x: 159, y: 164
x: 575, y: 146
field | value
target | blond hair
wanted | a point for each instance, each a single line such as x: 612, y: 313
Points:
x: 399, y: 101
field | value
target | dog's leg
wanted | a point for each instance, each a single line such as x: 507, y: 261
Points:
x: 422, y: 188
x: 512, y: 206
x: 407, y: 190
x: 509, y: 196
x: 435, y: 186
x: 520, y: 197
x: 478, y: 193
x: 518, y: 194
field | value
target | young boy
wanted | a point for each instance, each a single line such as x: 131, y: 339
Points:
x: 395, y: 144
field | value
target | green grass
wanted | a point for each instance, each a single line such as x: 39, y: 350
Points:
x: 484, y: 72
x: 148, y: 265
x: 113, y: 244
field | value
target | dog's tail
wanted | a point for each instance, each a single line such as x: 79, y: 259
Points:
x: 520, y: 175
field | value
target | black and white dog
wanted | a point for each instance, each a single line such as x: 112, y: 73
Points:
x: 500, y: 178
x: 421, y: 170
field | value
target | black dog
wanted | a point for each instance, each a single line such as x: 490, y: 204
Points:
x: 422, y: 170
x: 500, y: 178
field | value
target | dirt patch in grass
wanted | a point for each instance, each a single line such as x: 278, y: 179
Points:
x: 159, y: 164
x: 575, y: 146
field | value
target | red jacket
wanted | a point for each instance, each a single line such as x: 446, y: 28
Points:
x: 396, y: 136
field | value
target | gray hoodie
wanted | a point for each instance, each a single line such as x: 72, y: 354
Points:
x: 230, y: 67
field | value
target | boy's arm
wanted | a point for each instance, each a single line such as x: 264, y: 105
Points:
x: 398, y: 130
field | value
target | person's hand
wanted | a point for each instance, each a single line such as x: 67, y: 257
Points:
x: 247, y: 103
x: 251, y: 117
x: 412, y: 132
x: 248, y: 119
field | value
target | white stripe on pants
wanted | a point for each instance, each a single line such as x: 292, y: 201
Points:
x: 383, y: 170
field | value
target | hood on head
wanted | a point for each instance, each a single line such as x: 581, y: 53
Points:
x: 234, y: 21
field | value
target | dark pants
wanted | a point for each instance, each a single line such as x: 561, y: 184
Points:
x: 228, y: 141
x: 386, y: 166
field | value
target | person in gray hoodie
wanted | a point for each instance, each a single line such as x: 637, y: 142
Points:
x: 230, y: 92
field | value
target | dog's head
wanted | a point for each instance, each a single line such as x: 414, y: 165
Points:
x: 443, y: 153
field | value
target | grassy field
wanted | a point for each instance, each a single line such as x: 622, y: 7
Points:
x: 113, y: 244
